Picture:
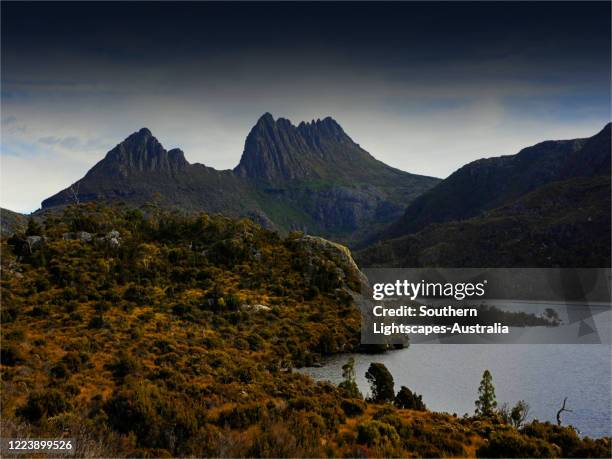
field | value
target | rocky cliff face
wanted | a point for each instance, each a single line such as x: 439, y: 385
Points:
x: 140, y: 153
x: 276, y: 150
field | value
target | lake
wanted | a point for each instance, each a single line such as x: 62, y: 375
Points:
x: 447, y: 376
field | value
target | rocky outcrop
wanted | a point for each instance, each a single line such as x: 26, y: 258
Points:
x: 27, y: 245
x: 334, y: 250
x: 113, y: 239
x: 35, y: 242
x: 82, y: 236
x: 255, y: 308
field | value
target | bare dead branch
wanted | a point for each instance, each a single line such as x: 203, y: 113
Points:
x: 561, y: 411
x: 74, y: 192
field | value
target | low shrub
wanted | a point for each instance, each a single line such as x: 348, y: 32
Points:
x: 376, y: 433
x: 512, y: 444
x: 353, y: 407
x: 11, y: 355
x: 44, y: 404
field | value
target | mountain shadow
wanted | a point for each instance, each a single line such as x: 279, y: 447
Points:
x: 563, y: 224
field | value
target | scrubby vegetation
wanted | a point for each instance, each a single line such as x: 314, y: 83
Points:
x: 151, y: 334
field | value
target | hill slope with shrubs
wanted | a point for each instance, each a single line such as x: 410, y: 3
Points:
x: 152, y: 334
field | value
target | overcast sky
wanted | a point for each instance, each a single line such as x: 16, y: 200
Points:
x: 423, y: 87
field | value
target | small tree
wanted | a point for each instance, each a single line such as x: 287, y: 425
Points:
x: 486, y: 403
x: 515, y: 415
x: 381, y: 383
x: 349, y: 385
x: 34, y: 228
x: 407, y: 399
x: 519, y: 413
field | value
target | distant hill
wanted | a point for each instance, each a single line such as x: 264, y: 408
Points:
x: 11, y: 222
x: 562, y: 224
x: 548, y: 205
x: 311, y: 177
x: 489, y: 183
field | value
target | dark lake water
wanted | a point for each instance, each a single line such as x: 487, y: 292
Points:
x: 448, y: 376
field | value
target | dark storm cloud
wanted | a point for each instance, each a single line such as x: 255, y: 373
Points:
x: 423, y: 86
x: 134, y: 34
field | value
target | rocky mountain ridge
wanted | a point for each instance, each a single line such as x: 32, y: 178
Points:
x: 547, y: 206
x: 311, y: 177
x: 485, y: 184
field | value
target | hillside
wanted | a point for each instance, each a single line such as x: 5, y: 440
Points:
x: 165, y: 334
x: 562, y: 224
x: 311, y: 177
x: 11, y: 222
x: 489, y: 183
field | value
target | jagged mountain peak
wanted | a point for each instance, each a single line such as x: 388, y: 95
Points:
x: 142, y: 136
x: 277, y: 149
x: 327, y: 128
x: 328, y: 121
x: 327, y: 124
x: 177, y: 154
x: 140, y: 152
x: 144, y: 132
x: 265, y: 120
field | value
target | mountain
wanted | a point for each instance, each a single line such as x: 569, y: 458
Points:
x: 141, y: 152
x: 311, y: 177
x: 140, y: 170
x: 317, y: 170
x: 489, y: 183
x: 562, y: 224
x: 277, y: 152
x: 548, y: 205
